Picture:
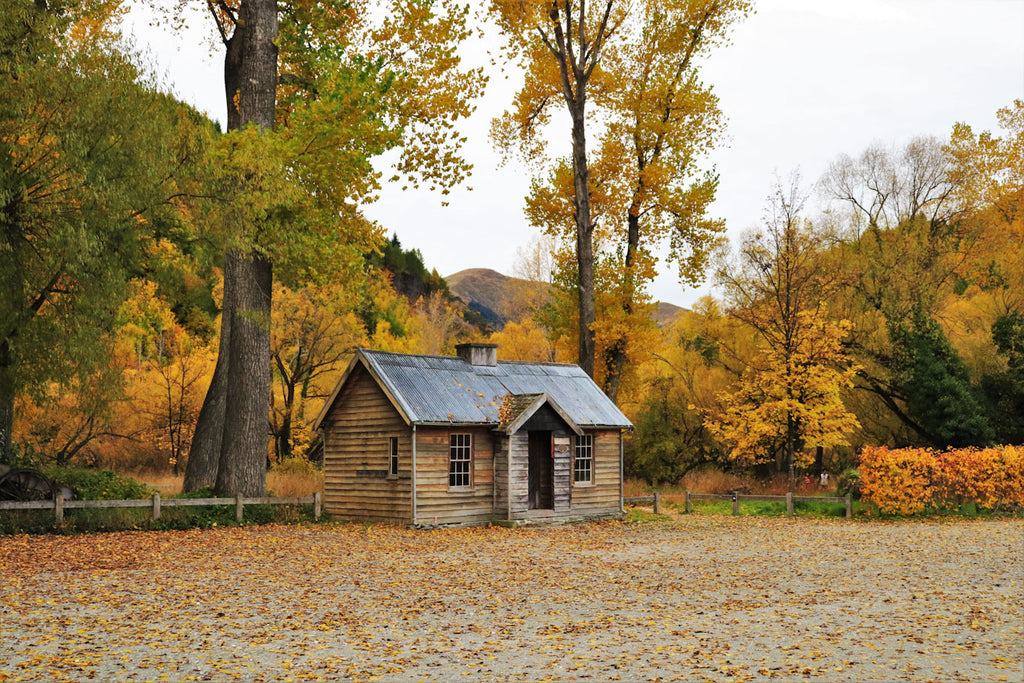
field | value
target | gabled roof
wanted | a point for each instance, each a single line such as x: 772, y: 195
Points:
x: 523, y: 406
x: 436, y: 390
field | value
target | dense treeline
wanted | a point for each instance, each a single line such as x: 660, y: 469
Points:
x: 882, y: 306
x: 142, y: 246
x: 914, y: 261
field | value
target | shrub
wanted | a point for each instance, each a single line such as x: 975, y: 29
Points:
x: 910, y: 480
x: 97, y: 484
x: 849, y: 482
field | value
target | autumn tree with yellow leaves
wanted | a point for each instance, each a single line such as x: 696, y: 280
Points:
x: 790, y: 395
x: 628, y: 75
x: 314, y: 90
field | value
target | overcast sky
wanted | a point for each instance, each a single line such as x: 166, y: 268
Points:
x: 802, y: 82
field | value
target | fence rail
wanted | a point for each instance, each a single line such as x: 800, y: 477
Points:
x: 789, y: 499
x: 156, y: 503
x: 654, y: 499
x: 736, y: 498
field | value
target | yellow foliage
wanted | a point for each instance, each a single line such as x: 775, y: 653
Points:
x: 525, y: 341
x: 908, y: 481
x: 790, y: 395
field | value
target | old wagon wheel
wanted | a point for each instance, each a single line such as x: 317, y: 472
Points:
x: 25, y: 484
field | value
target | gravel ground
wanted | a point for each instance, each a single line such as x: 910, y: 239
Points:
x: 702, y: 597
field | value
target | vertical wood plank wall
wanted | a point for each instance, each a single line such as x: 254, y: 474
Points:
x: 519, y: 481
x: 435, y: 501
x: 357, y: 435
x: 563, y: 474
x: 500, y: 476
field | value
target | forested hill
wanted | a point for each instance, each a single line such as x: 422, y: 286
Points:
x: 411, y: 279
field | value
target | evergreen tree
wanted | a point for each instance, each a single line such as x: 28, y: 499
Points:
x: 936, y: 385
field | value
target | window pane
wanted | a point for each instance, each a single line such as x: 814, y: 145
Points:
x: 460, y: 460
x: 583, y: 464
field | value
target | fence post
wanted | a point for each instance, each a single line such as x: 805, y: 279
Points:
x: 58, y: 508
x: 238, y: 507
x: 657, y: 503
x: 156, y: 506
x: 735, y: 503
x: 687, y: 504
x: 789, y: 503
x: 849, y: 505
x: 316, y: 506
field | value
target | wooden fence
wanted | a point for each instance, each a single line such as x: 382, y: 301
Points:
x: 654, y: 499
x: 735, y: 497
x: 156, y: 503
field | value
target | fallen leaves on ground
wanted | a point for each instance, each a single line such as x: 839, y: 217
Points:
x: 701, y: 598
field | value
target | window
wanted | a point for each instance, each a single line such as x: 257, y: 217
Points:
x: 460, y: 460
x: 393, y: 460
x: 583, y: 464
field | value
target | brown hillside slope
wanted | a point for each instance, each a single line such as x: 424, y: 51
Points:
x: 501, y: 298
x: 497, y: 297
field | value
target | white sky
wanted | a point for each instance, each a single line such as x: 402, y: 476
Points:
x: 802, y: 82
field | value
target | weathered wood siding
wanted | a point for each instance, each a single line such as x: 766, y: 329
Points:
x: 519, y: 484
x: 357, y: 435
x: 563, y: 473
x: 603, y: 497
x: 436, y: 502
x: 501, y: 476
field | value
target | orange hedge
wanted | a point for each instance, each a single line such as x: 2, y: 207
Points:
x: 910, y: 480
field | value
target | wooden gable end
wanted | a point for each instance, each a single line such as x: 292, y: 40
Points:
x: 358, y: 428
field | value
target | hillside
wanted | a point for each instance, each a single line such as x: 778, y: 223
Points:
x: 492, y: 294
x: 495, y: 296
x: 666, y: 313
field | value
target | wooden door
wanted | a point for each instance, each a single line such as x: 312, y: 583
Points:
x: 541, y: 471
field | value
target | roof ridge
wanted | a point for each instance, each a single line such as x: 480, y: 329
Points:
x: 411, y: 355
x: 457, y: 358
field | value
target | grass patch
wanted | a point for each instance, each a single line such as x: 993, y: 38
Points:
x: 88, y: 484
x: 642, y: 516
x: 968, y: 511
x: 767, y: 508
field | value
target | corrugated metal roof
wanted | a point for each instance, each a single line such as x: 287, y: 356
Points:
x: 438, y: 389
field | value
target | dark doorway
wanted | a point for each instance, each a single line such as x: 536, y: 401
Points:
x: 541, y: 471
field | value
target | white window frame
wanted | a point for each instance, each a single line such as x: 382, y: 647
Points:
x: 583, y: 454
x: 460, y: 461
x: 393, y: 457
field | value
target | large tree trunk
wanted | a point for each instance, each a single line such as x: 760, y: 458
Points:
x: 584, y: 234
x: 204, y: 454
x: 577, y: 57
x: 790, y: 452
x: 243, y: 457
x: 615, y: 355
x: 243, y: 461
x: 250, y: 84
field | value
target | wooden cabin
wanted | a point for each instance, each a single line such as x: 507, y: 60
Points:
x: 457, y: 440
